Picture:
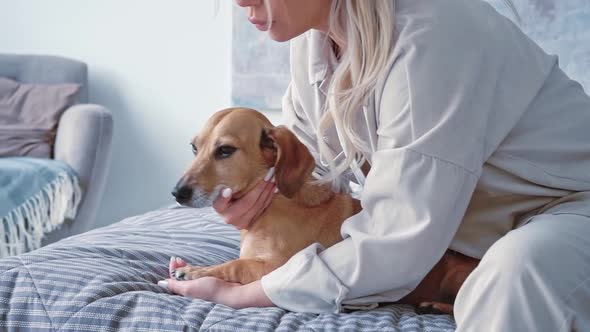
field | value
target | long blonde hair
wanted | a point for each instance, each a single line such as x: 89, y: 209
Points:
x: 366, y: 30
x: 365, y: 27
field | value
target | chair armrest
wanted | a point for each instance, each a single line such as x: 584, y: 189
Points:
x: 83, y: 141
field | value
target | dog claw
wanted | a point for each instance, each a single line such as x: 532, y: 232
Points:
x: 433, y: 309
x: 179, y: 275
x: 427, y: 310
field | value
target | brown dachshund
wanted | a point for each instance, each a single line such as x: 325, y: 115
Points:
x: 235, y: 150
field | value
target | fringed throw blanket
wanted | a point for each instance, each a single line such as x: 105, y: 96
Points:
x: 36, y: 197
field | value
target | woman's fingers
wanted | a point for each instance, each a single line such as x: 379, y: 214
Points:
x: 224, y: 205
x: 183, y: 288
x: 248, y: 3
x: 223, y: 201
x: 262, y: 203
x: 206, y: 288
x: 247, y: 201
x: 229, y: 208
x: 240, y: 212
x: 255, y: 209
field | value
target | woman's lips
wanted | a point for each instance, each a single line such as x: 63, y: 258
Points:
x: 260, y: 24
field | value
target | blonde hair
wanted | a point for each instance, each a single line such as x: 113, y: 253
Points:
x: 366, y: 30
x: 365, y: 27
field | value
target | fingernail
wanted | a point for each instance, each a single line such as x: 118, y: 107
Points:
x: 276, y: 190
x: 273, y: 179
x: 172, y: 259
x: 179, y: 260
x: 226, y: 193
x: 163, y: 283
x: 269, y: 174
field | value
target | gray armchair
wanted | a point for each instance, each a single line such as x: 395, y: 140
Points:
x: 84, y: 131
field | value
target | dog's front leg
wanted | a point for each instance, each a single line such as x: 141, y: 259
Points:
x: 243, y: 271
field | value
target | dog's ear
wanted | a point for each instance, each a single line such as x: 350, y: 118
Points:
x: 292, y: 160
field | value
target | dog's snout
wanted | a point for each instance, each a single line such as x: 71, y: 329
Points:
x: 182, y: 193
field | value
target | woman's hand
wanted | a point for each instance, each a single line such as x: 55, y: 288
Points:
x: 220, y: 291
x: 248, y: 3
x: 241, y: 212
x: 216, y: 290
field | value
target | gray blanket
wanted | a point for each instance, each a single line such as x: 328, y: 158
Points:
x: 105, y: 280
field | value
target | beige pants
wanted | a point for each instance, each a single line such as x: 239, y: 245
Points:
x: 536, y: 278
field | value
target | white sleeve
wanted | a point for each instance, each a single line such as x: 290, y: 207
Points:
x: 431, y: 147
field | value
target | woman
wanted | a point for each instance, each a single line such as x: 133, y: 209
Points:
x: 476, y: 142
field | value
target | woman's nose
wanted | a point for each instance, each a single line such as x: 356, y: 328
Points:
x: 249, y: 3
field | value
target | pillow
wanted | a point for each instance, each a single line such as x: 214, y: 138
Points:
x: 29, y: 114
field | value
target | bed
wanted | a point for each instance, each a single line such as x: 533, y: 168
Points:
x: 105, y: 280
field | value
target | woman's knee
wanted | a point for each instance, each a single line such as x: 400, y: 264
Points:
x: 539, y: 266
x: 506, y: 269
x: 545, y: 254
x: 525, y: 260
x: 520, y: 250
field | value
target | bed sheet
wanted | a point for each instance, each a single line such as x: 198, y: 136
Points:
x: 105, y: 280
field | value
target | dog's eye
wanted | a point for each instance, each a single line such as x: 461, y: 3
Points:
x: 195, y: 150
x: 224, y: 151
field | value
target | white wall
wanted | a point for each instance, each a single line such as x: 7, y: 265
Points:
x: 162, y: 67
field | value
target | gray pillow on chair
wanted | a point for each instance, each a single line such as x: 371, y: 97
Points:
x: 29, y: 114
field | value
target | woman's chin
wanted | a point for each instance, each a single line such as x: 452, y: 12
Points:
x: 280, y: 36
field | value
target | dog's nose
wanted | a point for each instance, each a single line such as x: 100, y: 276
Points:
x: 182, y: 193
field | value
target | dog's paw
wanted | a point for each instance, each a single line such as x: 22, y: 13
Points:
x: 434, y: 308
x: 175, y: 263
x: 190, y: 272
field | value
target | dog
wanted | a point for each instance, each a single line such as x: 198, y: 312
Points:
x: 235, y: 150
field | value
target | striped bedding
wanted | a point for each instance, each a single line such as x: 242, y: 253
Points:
x: 105, y: 280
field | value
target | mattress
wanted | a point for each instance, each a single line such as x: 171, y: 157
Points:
x: 105, y: 280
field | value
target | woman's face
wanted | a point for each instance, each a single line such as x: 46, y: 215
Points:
x: 290, y: 18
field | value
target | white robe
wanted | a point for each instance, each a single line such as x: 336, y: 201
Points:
x: 473, y: 130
